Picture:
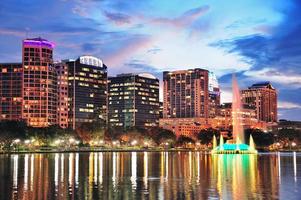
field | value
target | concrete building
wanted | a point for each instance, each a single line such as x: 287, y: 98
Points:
x: 214, y: 96
x: 39, y: 83
x: 133, y: 101
x: 87, y: 90
x: 62, y: 94
x: 11, y: 87
x: 185, y: 94
x: 262, y: 96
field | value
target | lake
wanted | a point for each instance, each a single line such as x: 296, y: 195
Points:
x: 150, y: 175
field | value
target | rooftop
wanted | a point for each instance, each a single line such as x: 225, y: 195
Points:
x: 265, y: 84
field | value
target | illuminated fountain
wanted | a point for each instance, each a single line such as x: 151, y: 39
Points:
x: 237, y: 145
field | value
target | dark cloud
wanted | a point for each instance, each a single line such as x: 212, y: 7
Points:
x: 118, y: 18
x: 280, y: 49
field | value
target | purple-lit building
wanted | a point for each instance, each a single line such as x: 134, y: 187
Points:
x: 39, y: 83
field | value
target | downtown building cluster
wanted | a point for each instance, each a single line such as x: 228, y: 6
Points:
x: 69, y: 93
x: 192, y: 103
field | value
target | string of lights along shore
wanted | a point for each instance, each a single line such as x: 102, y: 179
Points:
x: 72, y: 91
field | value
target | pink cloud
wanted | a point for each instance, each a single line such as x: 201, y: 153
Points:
x: 185, y: 19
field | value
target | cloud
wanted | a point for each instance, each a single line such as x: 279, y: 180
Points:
x: 130, y: 47
x: 288, y: 105
x: 79, y: 10
x: 118, y: 18
x: 281, y: 48
x: 185, y: 20
x: 288, y: 77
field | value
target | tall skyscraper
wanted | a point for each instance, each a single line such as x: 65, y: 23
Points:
x: 11, y: 76
x: 214, y: 95
x: 87, y: 90
x: 186, y: 94
x: 262, y: 96
x: 62, y: 92
x: 133, y: 100
x: 39, y: 83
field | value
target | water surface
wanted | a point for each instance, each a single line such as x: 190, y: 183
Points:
x: 150, y: 175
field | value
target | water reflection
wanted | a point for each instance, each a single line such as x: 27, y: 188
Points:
x: 149, y: 175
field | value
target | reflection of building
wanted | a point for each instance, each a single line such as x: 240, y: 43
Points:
x: 87, y: 90
x: 264, y: 98
x: 185, y: 93
x: 62, y: 91
x: 39, y: 83
x: 133, y: 100
x: 11, y: 91
x: 214, y: 95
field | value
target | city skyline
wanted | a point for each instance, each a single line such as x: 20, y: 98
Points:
x: 155, y: 38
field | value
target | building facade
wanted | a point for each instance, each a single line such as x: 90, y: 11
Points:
x: 62, y: 94
x: 262, y: 96
x: 11, y: 86
x: 133, y: 101
x: 185, y: 94
x: 87, y: 90
x: 214, y: 96
x: 39, y: 83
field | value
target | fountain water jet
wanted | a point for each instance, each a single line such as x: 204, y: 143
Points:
x: 237, y: 145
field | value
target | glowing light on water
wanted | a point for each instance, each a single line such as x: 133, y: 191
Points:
x: 145, y: 164
x: 198, y: 166
x: 295, y: 166
x: 100, y: 158
x: 166, y: 165
x: 56, y: 169
x: 76, y: 168
x: 279, y: 167
x: 26, y: 161
x: 31, y: 171
x: 15, y: 174
x: 71, y: 167
x: 95, y: 168
x: 62, y: 168
x: 134, y: 169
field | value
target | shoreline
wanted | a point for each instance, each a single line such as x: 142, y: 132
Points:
x: 126, y: 150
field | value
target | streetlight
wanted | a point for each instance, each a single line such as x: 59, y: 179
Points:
x: 293, y: 144
x: 71, y: 140
x: 134, y: 142
x: 57, y: 142
x: 27, y: 141
x: 16, y: 141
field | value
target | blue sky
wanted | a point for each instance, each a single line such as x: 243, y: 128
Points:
x: 259, y: 40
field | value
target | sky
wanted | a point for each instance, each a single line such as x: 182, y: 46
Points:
x: 258, y: 40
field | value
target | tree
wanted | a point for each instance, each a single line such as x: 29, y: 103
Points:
x: 160, y: 135
x: 261, y: 139
x: 184, y: 140
x: 206, y: 135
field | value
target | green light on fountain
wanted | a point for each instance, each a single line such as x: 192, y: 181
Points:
x: 237, y: 145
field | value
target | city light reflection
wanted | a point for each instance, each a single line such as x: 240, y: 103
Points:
x: 150, y: 175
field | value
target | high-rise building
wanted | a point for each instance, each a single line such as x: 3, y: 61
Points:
x: 39, y: 83
x: 262, y: 96
x: 11, y: 99
x: 133, y: 100
x: 214, y: 95
x: 62, y: 94
x: 186, y: 94
x: 87, y: 90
